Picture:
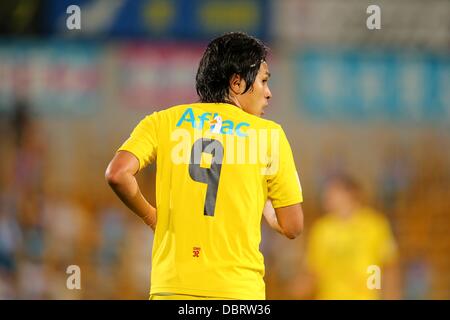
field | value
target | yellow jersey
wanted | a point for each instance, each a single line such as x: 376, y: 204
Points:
x: 216, y: 167
x: 340, y: 253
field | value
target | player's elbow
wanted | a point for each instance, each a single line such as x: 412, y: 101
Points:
x: 290, y: 220
x: 123, y: 166
x: 293, y: 231
x: 113, y: 175
x: 110, y: 177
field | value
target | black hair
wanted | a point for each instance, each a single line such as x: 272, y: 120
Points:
x: 229, y: 54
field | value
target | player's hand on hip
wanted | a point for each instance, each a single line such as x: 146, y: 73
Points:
x: 150, y: 218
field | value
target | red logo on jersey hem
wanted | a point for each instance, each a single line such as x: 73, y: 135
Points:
x: 196, y: 252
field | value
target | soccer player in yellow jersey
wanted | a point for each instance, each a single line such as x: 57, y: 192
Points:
x: 351, y: 252
x: 218, y: 162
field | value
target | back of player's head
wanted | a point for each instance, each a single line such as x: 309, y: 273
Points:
x: 232, y: 53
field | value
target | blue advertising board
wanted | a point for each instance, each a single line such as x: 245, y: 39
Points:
x: 162, y: 19
x: 56, y: 77
x: 360, y: 85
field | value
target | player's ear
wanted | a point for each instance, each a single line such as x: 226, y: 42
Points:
x: 237, y: 84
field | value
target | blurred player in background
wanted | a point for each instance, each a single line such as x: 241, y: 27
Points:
x: 344, y: 243
x: 207, y: 219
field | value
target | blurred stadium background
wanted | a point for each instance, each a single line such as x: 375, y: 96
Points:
x: 375, y: 104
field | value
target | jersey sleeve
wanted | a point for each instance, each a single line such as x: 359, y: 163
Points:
x: 143, y: 141
x: 284, y: 188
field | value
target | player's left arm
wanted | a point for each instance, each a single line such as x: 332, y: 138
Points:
x: 291, y: 219
x: 271, y: 218
x: 284, y: 189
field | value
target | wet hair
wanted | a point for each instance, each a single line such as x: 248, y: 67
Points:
x: 232, y: 53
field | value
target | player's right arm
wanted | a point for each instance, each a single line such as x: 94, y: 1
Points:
x: 136, y: 153
x: 120, y: 175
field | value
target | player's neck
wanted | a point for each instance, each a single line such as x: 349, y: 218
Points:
x: 233, y: 100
